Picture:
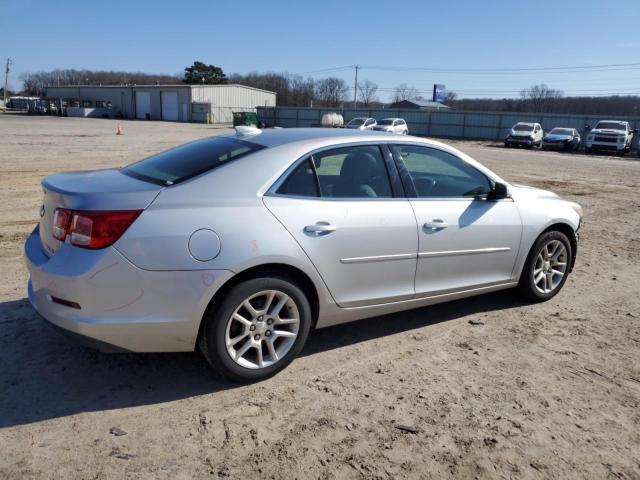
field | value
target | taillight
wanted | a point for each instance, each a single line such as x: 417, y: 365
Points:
x: 61, y: 219
x: 95, y: 229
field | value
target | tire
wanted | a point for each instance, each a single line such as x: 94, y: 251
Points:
x: 537, y: 291
x: 220, y: 328
x: 507, y: 145
x: 588, y: 150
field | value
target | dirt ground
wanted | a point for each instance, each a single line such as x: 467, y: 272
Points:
x: 534, y: 391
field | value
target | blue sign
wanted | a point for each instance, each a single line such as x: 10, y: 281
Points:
x: 439, y: 92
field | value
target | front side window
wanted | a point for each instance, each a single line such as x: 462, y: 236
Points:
x: 357, y: 172
x: 439, y: 174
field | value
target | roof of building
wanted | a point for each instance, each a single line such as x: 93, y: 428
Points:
x: 425, y: 103
x: 177, y: 85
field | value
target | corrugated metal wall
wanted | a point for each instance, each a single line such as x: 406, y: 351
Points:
x: 226, y: 99
x: 449, y: 124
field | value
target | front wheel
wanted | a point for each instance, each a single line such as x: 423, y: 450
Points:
x: 547, y: 267
x: 260, y: 326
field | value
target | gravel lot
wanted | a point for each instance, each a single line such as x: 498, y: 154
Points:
x: 534, y: 391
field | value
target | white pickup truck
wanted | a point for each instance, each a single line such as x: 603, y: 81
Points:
x: 611, y: 135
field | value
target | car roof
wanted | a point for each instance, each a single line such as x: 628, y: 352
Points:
x: 273, y: 137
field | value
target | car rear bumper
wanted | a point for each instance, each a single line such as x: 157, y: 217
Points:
x: 121, y: 307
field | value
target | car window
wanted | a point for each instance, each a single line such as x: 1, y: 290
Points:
x: 436, y: 173
x: 189, y: 160
x: 353, y: 172
x: 400, y: 122
x: 301, y: 182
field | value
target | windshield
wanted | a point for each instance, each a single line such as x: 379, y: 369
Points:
x: 356, y: 122
x: 386, y: 121
x: 186, y: 161
x: 522, y: 128
x: 561, y: 131
x: 611, y: 126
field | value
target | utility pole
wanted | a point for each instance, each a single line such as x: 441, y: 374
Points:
x: 355, y: 90
x: 6, y: 80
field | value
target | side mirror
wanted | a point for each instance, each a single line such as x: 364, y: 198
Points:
x: 499, y: 191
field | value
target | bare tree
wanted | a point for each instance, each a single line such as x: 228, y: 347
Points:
x: 368, y: 90
x: 331, y: 91
x: 450, y: 97
x: 404, y: 92
x: 540, y: 97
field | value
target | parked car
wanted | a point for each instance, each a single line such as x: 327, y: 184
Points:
x: 610, y: 135
x: 394, y: 125
x: 559, y: 138
x: 361, y: 123
x: 240, y: 245
x: 524, y: 135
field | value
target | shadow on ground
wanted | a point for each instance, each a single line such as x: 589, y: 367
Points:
x: 45, y: 376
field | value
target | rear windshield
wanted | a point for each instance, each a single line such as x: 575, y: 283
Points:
x: 186, y: 161
x: 522, y: 128
x: 611, y: 126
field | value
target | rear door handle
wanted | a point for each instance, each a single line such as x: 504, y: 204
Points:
x: 320, y: 228
x: 436, y: 224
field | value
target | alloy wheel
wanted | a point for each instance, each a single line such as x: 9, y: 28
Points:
x: 550, y: 266
x: 262, y: 329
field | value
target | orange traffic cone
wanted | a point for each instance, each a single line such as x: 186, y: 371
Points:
x: 119, y: 130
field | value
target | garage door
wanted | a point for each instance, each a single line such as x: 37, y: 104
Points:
x: 143, y: 105
x: 169, y: 106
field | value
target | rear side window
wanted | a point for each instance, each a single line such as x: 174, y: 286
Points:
x: 186, y: 161
x: 357, y: 172
x: 301, y: 182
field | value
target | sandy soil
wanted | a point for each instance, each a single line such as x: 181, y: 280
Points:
x: 534, y: 391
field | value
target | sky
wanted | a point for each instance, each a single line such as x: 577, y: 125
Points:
x: 418, y: 43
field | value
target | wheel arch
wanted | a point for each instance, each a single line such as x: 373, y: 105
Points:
x: 294, y: 274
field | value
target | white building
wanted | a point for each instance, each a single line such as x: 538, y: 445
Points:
x: 177, y: 103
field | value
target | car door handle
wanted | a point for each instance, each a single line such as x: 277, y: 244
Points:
x: 435, y: 225
x: 320, y: 228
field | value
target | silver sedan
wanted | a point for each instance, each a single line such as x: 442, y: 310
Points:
x: 242, y: 244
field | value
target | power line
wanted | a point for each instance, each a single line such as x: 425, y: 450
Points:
x: 499, y: 70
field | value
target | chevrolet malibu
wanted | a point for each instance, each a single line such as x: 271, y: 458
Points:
x: 242, y: 244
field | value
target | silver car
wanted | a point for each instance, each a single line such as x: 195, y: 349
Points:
x: 242, y: 244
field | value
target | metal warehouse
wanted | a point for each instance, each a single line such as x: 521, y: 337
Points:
x: 177, y: 103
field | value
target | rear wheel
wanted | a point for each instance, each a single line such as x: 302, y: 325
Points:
x: 588, y: 150
x: 258, y: 329
x: 547, y: 267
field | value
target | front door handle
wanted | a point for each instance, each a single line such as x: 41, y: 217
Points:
x: 320, y: 228
x: 436, y: 224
